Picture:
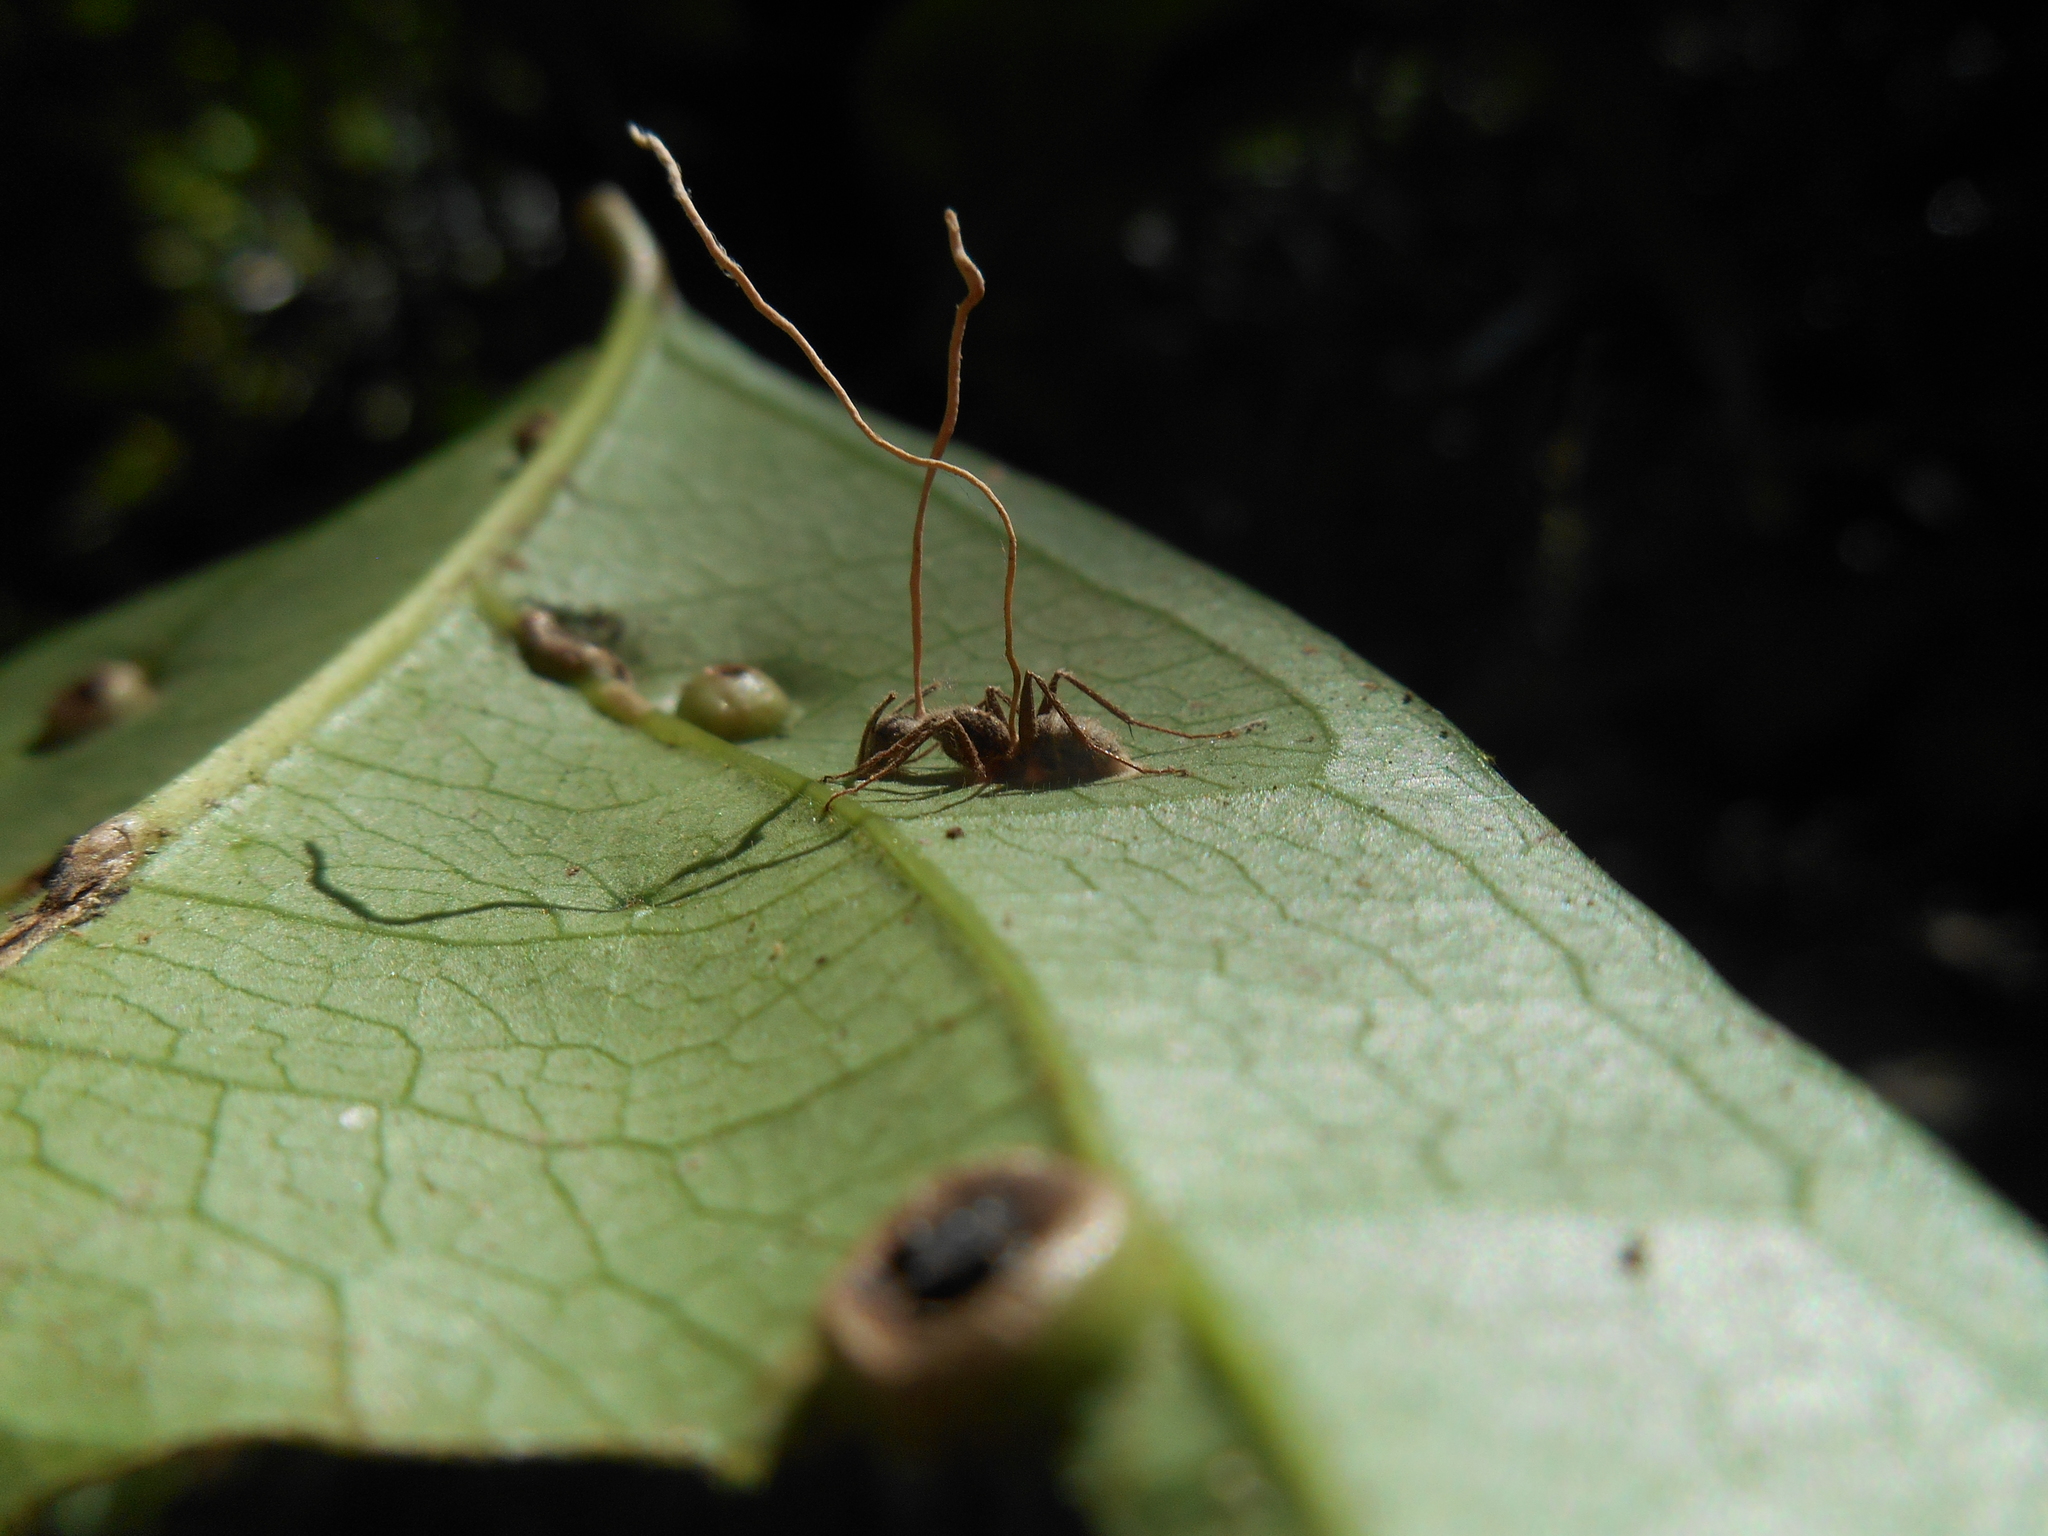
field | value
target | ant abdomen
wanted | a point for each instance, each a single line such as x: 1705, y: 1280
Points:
x: 1062, y: 756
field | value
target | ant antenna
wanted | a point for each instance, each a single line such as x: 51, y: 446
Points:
x: 976, y: 289
x: 931, y: 466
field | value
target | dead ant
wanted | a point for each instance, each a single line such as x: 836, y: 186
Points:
x: 1026, y: 737
x: 1027, y: 746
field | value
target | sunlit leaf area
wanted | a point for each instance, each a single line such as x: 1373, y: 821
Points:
x: 450, y: 1088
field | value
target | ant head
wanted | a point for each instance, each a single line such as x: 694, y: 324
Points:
x: 886, y: 732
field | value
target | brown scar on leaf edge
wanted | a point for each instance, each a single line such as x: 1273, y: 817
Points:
x: 90, y: 875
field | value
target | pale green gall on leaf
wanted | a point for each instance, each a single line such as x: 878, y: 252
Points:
x: 734, y: 701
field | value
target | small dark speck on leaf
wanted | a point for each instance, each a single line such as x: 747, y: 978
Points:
x: 823, y: 958
x: 532, y: 432
x: 1443, y: 735
x: 1635, y: 1255
x: 956, y: 832
x: 573, y: 870
x: 1407, y: 698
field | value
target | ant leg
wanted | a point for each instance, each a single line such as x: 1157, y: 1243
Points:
x: 868, y: 750
x: 1064, y: 676
x: 1024, y: 728
x: 897, y: 753
x: 905, y: 708
x: 887, y: 761
x: 867, y: 732
x: 956, y: 734
x: 1002, y: 706
x: 919, y: 738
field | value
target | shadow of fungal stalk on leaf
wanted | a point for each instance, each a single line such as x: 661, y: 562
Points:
x: 670, y: 892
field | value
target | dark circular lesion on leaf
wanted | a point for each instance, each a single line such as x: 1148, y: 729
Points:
x: 992, y: 1293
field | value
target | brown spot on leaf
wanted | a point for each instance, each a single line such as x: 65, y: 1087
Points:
x: 552, y: 649
x: 90, y: 876
x: 111, y: 692
x: 532, y: 432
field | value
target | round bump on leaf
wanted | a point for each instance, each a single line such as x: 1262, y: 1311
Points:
x: 735, y: 701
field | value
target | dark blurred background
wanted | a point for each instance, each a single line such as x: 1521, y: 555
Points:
x: 1657, y: 389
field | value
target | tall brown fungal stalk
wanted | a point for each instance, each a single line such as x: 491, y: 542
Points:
x: 931, y: 466
x: 976, y: 289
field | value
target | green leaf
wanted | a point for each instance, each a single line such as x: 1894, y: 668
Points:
x: 468, y: 1070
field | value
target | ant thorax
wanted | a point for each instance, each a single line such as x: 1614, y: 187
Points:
x: 985, y: 726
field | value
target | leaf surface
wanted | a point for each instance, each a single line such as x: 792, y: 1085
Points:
x: 471, y: 1071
